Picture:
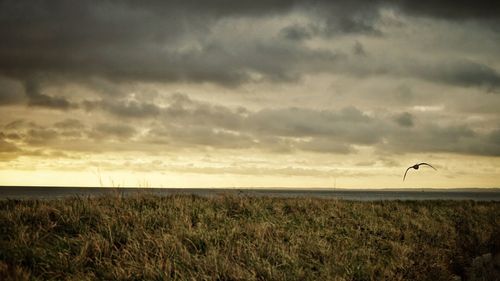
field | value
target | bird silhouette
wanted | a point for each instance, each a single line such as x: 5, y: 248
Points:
x: 416, y: 166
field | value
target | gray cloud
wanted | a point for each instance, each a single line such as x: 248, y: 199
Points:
x: 69, y: 124
x: 117, y: 39
x: 363, y: 24
x: 404, y: 119
x: 297, y: 32
x: 448, y: 9
x: 326, y: 145
x: 334, y: 25
x: 173, y: 41
x: 186, y: 111
x: 40, y: 136
x: 124, y: 108
x: 452, y: 139
x: 35, y: 98
x: 185, y: 137
x: 451, y: 71
x: 108, y: 48
x: 6, y: 146
x: 11, y: 92
x: 358, y: 49
x: 494, y: 137
x: 120, y: 131
x: 8, y: 150
x: 464, y: 73
x: 348, y: 124
x: 190, y: 124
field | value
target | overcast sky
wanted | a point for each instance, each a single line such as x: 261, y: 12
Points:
x: 249, y: 93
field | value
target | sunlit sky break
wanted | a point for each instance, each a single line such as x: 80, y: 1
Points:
x: 249, y: 93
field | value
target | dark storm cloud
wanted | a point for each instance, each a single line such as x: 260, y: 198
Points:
x: 464, y: 73
x: 494, y: 137
x: 358, y: 25
x: 36, y: 98
x: 11, y: 92
x: 297, y: 32
x: 146, y: 41
x: 115, y: 39
x: 358, y: 49
x: 404, y: 119
x: 449, y: 9
x: 452, y: 71
x: 433, y: 138
x: 336, y: 24
x: 110, y: 45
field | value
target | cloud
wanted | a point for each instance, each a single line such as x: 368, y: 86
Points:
x: 404, y: 119
x: 348, y: 124
x: 200, y: 42
x: 494, y: 137
x: 118, y: 131
x: 69, y: 124
x: 352, y: 25
x: 40, y: 136
x: 11, y: 92
x: 451, y: 71
x: 326, y: 145
x: 8, y: 150
x: 186, y: 137
x: 124, y: 108
x: 120, y: 40
x: 358, y: 49
x: 6, y: 146
x: 454, y: 10
x: 463, y: 73
x: 35, y: 98
x: 254, y: 170
x: 458, y: 139
x: 297, y: 32
x: 187, y: 124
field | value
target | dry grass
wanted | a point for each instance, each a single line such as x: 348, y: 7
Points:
x: 232, y: 238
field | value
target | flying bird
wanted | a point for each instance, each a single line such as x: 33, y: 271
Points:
x: 416, y: 166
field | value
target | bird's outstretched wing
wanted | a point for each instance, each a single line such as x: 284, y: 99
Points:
x: 427, y: 165
x: 406, y: 172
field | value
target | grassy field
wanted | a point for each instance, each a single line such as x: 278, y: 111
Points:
x: 233, y: 238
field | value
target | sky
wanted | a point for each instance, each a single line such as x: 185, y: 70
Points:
x: 343, y: 94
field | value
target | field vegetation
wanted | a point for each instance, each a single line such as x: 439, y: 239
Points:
x: 227, y: 237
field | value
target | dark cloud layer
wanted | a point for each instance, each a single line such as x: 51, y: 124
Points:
x: 105, y: 45
x: 464, y: 73
x: 187, y: 124
x: 129, y: 40
x: 448, y: 9
x: 11, y: 92
x: 404, y: 119
x: 35, y: 98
